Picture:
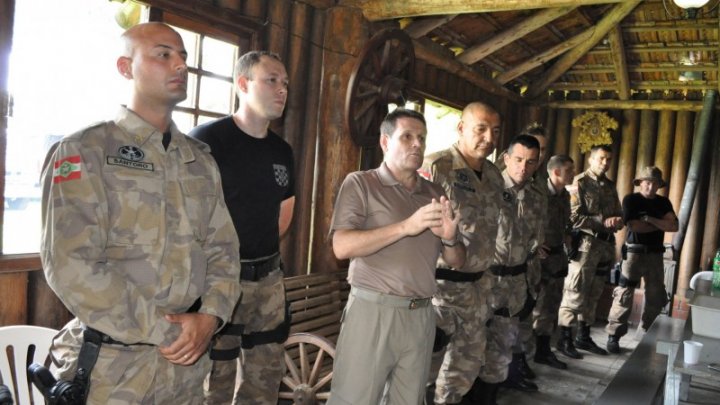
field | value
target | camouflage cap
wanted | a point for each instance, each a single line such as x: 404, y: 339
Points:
x: 651, y: 173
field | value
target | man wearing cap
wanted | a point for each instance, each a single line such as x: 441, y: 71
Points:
x: 648, y: 216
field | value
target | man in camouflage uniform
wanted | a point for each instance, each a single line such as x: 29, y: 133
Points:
x: 596, y: 215
x: 135, y: 230
x: 648, y: 216
x: 474, y: 186
x: 256, y: 166
x: 520, y: 214
x: 560, y: 170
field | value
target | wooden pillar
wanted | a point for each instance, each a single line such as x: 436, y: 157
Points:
x: 646, y: 139
x: 276, y: 32
x: 550, y: 126
x: 663, y: 147
x: 680, y: 160
x: 562, y: 134
x: 255, y: 8
x: 615, y: 146
x: 626, y: 163
x: 294, y: 244
x: 573, y: 148
x: 712, y: 212
x: 690, y: 254
x: 346, y: 32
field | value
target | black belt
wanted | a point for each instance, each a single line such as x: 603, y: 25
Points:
x: 257, y: 270
x: 106, y: 339
x: 637, y: 248
x: 500, y: 270
x: 555, y: 250
x: 457, y: 276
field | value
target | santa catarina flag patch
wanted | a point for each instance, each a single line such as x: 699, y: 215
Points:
x: 67, y: 169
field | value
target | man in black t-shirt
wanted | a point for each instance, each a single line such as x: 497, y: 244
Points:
x: 256, y: 167
x: 648, y: 216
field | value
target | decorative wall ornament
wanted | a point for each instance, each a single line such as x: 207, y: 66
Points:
x: 594, y: 129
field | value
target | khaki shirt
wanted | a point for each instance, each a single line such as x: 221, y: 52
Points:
x: 132, y: 232
x: 477, y: 200
x: 373, y: 199
x: 592, y: 200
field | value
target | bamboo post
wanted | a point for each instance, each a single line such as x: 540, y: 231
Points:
x: 615, y: 146
x: 689, y: 258
x: 550, y: 126
x: 562, y: 134
x: 626, y: 163
x: 646, y: 139
x: 346, y: 32
x: 680, y: 161
x: 697, y: 163
x: 663, y: 147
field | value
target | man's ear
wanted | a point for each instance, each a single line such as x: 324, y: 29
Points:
x: 124, y: 66
x: 384, y: 138
x: 242, y: 83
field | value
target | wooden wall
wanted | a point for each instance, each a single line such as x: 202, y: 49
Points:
x: 664, y: 139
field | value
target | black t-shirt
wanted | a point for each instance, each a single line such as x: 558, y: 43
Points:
x: 635, y: 206
x: 257, y: 175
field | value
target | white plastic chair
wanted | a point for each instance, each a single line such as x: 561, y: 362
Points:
x: 23, y: 339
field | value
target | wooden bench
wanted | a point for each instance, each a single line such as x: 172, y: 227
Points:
x: 316, y: 305
x: 641, y: 378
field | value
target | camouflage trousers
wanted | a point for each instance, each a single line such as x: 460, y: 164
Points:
x: 526, y: 338
x: 649, y: 267
x: 585, y: 281
x: 461, y: 312
x: 135, y: 374
x: 253, y: 378
x: 545, y: 314
x: 502, y: 333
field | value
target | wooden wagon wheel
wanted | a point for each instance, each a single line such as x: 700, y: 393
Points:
x: 381, y: 76
x: 307, y: 381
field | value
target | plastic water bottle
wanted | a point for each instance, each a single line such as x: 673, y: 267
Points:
x: 716, y: 271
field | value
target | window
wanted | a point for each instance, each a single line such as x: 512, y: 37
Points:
x: 442, y: 122
x: 66, y: 80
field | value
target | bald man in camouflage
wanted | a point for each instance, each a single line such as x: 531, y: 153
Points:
x: 135, y: 230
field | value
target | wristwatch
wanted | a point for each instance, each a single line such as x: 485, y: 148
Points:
x: 450, y: 243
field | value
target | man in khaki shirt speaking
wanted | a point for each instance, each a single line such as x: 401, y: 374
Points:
x: 393, y: 225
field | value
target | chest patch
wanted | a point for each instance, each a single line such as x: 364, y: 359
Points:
x: 281, y: 175
x: 132, y: 153
x: 119, y: 161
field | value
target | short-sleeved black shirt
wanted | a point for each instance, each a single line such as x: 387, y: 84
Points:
x: 635, y: 206
x: 257, y: 175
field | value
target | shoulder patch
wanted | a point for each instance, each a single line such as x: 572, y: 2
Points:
x: 425, y: 173
x: 69, y: 168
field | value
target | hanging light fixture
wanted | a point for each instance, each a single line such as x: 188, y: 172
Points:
x: 690, y: 7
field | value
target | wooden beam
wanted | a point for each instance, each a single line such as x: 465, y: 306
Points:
x: 375, y: 10
x: 673, y: 25
x: 419, y: 28
x: 422, y: 52
x: 539, y: 19
x: 598, y: 33
x: 674, y: 105
x: 645, y: 67
x: 642, y: 85
x: 620, y: 62
x: 663, y: 48
x: 541, y: 58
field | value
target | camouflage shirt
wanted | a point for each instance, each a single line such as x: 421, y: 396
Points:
x: 592, y: 200
x: 476, y: 199
x: 558, y: 215
x: 132, y: 232
x: 521, y: 223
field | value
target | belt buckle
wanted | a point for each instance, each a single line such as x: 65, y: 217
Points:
x: 413, y: 304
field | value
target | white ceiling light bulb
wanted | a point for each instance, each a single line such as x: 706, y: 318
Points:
x: 690, y: 3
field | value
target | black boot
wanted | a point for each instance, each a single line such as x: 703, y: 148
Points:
x: 515, y: 380
x: 565, y: 344
x: 613, y: 344
x: 482, y: 393
x: 584, y: 341
x: 544, y: 355
x: 524, y: 367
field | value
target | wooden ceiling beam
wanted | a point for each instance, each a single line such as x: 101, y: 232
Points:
x: 375, y: 10
x: 541, y: 58
x: 619, y: 62
x: 644, y: 68
x: 674, y: 105
x: 673, y: 25
x: 539, y: 19
x: 569, y: 58
x: 663, y: 48
x: 450, y: 65
x: 675, y: 85
x: 422, y: 27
